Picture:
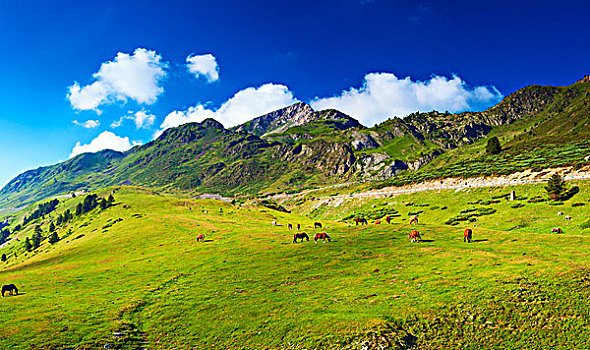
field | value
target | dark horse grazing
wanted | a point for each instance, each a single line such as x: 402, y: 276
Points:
x: 467, y: 235
x: 556, y: 230
x: 323, y: 236
x: 9, y: 288
x: 201, y: 237
x: 317, y: 225
x: 361, y: 221
x: 290, y: 226
x: 414, y: 236
x: 300, y: 236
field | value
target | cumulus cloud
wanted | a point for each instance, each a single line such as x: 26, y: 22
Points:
x: 89, y: 124
x: 243, y: 106
x: 142, y: 120
x: 203, y: 65
x: 136, y: 77
x: 383, y: 95
x: 106, y: 140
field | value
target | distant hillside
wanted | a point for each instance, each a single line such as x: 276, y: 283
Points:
x: 296, y: 148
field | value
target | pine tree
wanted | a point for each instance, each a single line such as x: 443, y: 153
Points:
x: 51, y: 227
x: 493, y: 146
x: 79, y: 209
x: 555, y: 187
x: 54, y: 238
x: 37, y: 237
x: 103, y: 204
x: 111, y: 200
x: 28, y: 245
x: 4, y: 258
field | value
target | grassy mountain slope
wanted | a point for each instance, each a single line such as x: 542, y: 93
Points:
x: 132, y: 276
x: 299, y: 148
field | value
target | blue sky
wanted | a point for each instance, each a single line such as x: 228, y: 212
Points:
x: 113, y: 74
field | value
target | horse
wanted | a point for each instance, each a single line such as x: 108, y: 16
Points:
x: 414, y: 219
x: 274, y: 223
x: 298, y: 227
x: 414, y: 236
x: 567, y: 217
x: 361, y: 221
x: 467, y: 235
x: 377, y: 222
x: 290, y: 226
x: 9, y: 288
x: 300, y: 236
x: 323, y: 236
x: 388, y: 219
x: 556, y: 230
x: 201, y: 237
x: 317, y: 225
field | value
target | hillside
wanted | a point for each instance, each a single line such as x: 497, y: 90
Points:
x: 297, y: 148
x: 132, y: 276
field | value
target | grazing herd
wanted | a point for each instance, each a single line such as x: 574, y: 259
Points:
x: 414, y: 235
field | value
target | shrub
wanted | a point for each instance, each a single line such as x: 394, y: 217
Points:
x: 517, y: 205
x: 578, y: 204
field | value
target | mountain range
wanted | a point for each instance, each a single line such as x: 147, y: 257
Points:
x: 297, y: 147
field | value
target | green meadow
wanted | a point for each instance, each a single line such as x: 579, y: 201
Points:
x: 133, y: 276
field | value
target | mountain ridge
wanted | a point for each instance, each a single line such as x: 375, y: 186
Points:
x: 296, y: 147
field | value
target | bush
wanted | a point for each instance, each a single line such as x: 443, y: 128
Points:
x: 578, y: 204
x: 517, y: 205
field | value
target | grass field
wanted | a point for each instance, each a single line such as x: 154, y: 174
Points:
x: 133, y: 276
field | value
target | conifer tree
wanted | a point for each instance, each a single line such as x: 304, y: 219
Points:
x: 493, y: 146
x: 28, y: 245
x: 54, y: 238
x: 4, y: 258
x: 51, y: 227
x: 555, y: 187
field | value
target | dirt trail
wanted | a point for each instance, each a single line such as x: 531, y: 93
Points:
x: 519, y: 178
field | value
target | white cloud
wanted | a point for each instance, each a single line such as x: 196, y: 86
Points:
x: 142, y: 120
x: 106, y: 140
x: 136, y: 77
x: 203, y: 65
x: 89, y: 124
x: 383, y: 95
x: 243, y: 106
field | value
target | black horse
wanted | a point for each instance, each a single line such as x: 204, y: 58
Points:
x: 317, y: 225
x: 9, y: 288
x: 301, y: 236
x: 361, y: 221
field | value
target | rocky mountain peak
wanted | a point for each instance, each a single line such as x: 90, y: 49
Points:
x: 279, y: 120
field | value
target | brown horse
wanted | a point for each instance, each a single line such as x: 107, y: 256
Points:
x: 201, y: 237
x: 290, y: 226
x: 361, y: 221
x: 556, y: 230
x: 467, y: 234
x: 414, y: 236
x: 388, y: 219
x: 300, y: 236
x: 323, y: 236
x: 414, y: 220
x: 317, y: 225
x: 9, y: 288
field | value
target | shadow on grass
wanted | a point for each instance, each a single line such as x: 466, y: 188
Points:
x: 479, y: 240
x: 427, y: 240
